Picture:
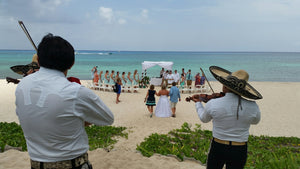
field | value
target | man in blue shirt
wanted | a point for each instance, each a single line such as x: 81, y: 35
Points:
x: 174, y: 97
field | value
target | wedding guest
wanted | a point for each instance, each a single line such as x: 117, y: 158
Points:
x: 202, y: 80
x: 189, y: 78
x: 96, y: 78
x: 93, y: 72
x: 174, y: 97
x: 112, y: 77
x: 117, y: 75
x: 101, y: 77
x: 162, y: 72
x: 165, y: 80
x: 136, y: 77
x: 170, y: 78
x: 124, y: 81
x: 106, y: 77
x: 176, y: 77
x: 197, y: 79
x: 119, y: 89
x: 150, y: 99
x: 182, y: 81
x: 129, y: 81
x: 184, y: 74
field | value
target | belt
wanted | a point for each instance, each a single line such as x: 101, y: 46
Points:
x: 233, y: 143
x: 78, y: 161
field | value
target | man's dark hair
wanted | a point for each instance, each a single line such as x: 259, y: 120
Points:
x: 55, y: 52
x: 173, y: 83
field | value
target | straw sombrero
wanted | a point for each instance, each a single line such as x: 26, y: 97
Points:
x: 23, y: 69
x: 236, y: 82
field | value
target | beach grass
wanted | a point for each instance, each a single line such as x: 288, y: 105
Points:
x: 105, y: 137
x: 188, y: 143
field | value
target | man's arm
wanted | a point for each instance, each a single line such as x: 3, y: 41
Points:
x: 179, y: 95
x: 92, y: 109
x: 203, y: 115
x: 256, y: 118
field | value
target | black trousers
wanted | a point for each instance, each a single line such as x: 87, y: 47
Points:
x: 86, y: 165
x: 234, y: 157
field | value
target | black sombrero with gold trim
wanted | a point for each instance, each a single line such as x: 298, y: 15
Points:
x: 23, y: 69
x: 237, y: 82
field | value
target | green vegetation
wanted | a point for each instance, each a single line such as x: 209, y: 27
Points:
x: 143, y: 83
x: 263, y: 151
x: 184, y: 143
x: 99, y: 136
x: 11, y: 134
x: 104, y: 136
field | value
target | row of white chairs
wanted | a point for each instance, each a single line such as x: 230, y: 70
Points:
x: 109, y: 87
x: 194, y: 89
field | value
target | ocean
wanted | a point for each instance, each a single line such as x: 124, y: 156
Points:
x: 261, y: 66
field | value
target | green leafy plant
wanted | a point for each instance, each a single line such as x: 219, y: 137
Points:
x: 99, y: 136
x: 104, y: 136
x: 11, y: 134
x: 263, y: 151
x: 143, y: 83
x: 183, y: 143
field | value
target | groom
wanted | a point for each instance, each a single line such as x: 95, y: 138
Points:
x: 174, y: 97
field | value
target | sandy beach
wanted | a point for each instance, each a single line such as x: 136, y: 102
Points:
x: 279, y: 117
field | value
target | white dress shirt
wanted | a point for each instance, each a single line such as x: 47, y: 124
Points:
x: 170, y: 78
x: 223, y: 112
x: 52, y: 112
x: 176, y: 77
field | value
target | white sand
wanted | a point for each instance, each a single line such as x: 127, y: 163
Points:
x: 279, y: 109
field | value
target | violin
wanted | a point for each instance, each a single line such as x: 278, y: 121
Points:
x: 205, y: 97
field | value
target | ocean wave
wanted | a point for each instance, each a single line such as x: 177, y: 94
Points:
x: 93, y: 53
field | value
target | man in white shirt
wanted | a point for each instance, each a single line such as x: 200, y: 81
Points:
x: 232, y: 116
x: 176, y: 77
x: 53, y: 111
x: 170, y: 78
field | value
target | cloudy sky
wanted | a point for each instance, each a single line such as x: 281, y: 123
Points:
x: 155, y: 25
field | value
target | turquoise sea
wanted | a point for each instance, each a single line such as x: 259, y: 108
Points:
x: 262, y: 66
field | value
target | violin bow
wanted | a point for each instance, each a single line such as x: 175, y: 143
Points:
x: 207, y: 80
x: 27, y: 34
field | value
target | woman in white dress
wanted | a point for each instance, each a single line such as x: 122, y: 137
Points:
x: 163, y: 108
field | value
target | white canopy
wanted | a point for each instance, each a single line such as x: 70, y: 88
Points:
x: 148, y: 64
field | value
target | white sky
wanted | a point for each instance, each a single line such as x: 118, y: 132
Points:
x: 155, y: 25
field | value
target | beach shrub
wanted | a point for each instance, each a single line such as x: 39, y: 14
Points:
x: 186, y: 143
x: 99, y: 136
x: 143, y: 83
x: 183, y: 143
x: 11, y: 134
x: 104, y: 136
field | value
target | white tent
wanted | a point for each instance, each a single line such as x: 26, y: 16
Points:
x: 147, y: 64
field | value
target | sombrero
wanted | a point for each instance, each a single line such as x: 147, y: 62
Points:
x: 23, y: 69
x: 237, y: 82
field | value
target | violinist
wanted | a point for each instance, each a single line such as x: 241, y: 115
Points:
x: 232, y: 116
x: 52, y: 110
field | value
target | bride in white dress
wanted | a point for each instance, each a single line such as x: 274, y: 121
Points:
x: 163, y: 108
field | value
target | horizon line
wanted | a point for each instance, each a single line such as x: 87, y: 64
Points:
x: 166, y: 51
